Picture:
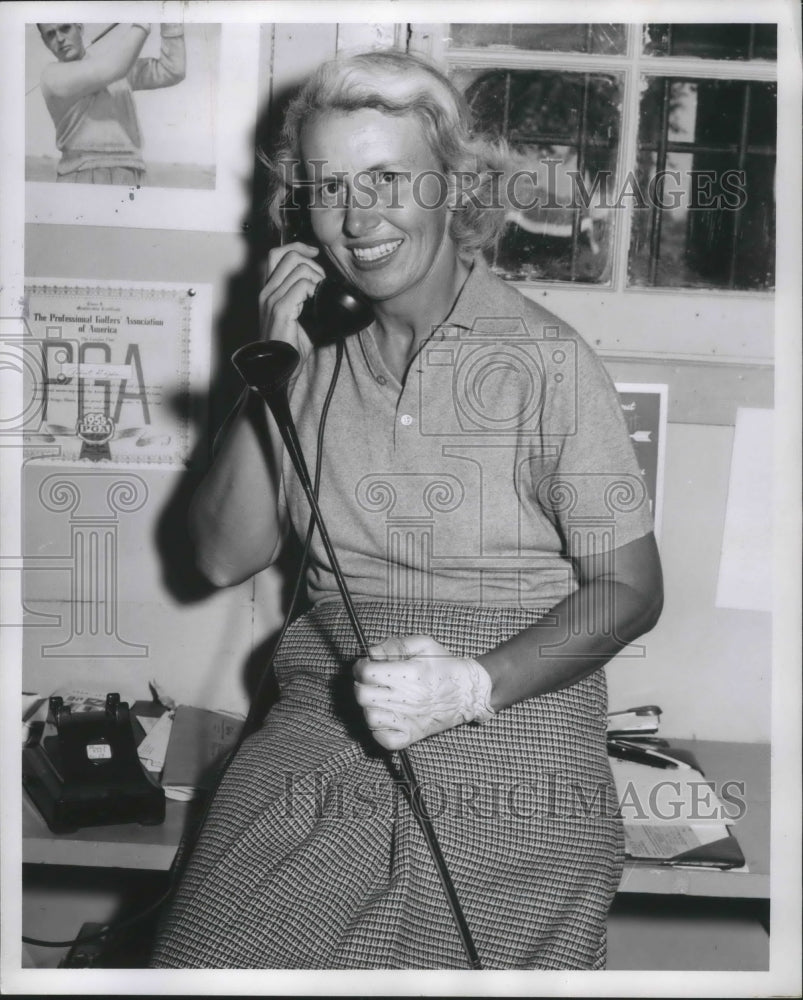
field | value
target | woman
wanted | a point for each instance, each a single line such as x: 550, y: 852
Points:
x: 484, y: 501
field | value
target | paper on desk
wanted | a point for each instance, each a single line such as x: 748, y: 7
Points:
x: 31, y: 703
x: 180, y: 793
x: 664, y: 841
x: 34, y: 709
x: 153, y: 749
x: 147, y: 722
x: 665, y: 796
x: 199, y: 739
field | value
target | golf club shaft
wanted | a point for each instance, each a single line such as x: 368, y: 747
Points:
x: 279, y: 406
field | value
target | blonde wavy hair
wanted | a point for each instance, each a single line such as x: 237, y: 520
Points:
x: 399, y: 84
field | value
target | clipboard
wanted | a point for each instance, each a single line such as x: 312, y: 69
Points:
x: 674, y: 844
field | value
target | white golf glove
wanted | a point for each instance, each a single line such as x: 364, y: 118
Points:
x: 412, y: 687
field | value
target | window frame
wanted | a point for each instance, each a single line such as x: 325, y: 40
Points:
x: 691, y: 324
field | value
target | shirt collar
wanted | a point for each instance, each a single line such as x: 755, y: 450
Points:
x: 479, y: 296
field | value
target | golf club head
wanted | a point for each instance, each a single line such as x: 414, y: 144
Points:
x: 266, y: 366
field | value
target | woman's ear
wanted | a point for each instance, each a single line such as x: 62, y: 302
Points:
x: 458, y: 189
x: 466, y: 181
x: 451, y: 192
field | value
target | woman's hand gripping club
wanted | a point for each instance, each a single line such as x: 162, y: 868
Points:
x: 411, y: 687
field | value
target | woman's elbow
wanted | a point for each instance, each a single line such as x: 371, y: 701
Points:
x: 221, y: 574
x: 226, y: 565
x: 655, y: 607
x: 224, y: 562
x: 647, y: 580
x: 651, y: 600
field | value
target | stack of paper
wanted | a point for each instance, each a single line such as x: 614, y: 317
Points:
x: 198, y: 740
x: 153, y: 749
x: 673, y: 815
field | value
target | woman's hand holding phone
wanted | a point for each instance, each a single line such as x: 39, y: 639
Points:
x: 293, y: 274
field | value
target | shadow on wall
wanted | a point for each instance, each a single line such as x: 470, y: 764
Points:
x: 237, y: 324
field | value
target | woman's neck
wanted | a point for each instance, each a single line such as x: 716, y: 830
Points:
x: 404, y: 323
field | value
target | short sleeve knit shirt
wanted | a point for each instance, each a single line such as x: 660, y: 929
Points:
x: 503, y: 455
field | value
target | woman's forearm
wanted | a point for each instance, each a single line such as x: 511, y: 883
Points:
x: 578, y: 636
x: 235, y: 520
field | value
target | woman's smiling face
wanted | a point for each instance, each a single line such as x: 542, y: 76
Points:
x: 375, y: 178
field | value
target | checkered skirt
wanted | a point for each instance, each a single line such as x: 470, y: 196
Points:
x: 311, y: 856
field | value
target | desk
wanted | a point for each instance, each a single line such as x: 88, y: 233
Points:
x: 127, y: 845
x: 132, y: 846
x: 701, y: 919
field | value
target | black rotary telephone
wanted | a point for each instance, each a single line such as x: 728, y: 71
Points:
x: 86, y: 772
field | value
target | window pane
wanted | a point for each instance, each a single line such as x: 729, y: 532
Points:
x: 712, y: 41
x: 598, y: 39
x: 711, y: 222
x: 467, y: 36
x: 713, y: 118
x: 763, y: 116
x: 766, y: 41
x: 564, y: 130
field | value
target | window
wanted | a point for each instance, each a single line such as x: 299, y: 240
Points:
x: 564, y: 128
x: 714, y: 142
x: 647, y: 152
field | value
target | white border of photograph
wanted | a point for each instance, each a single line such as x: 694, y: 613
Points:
x: 222, y: 210
x: 783, y: 976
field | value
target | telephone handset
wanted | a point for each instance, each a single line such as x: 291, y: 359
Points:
x: 336, y: 309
